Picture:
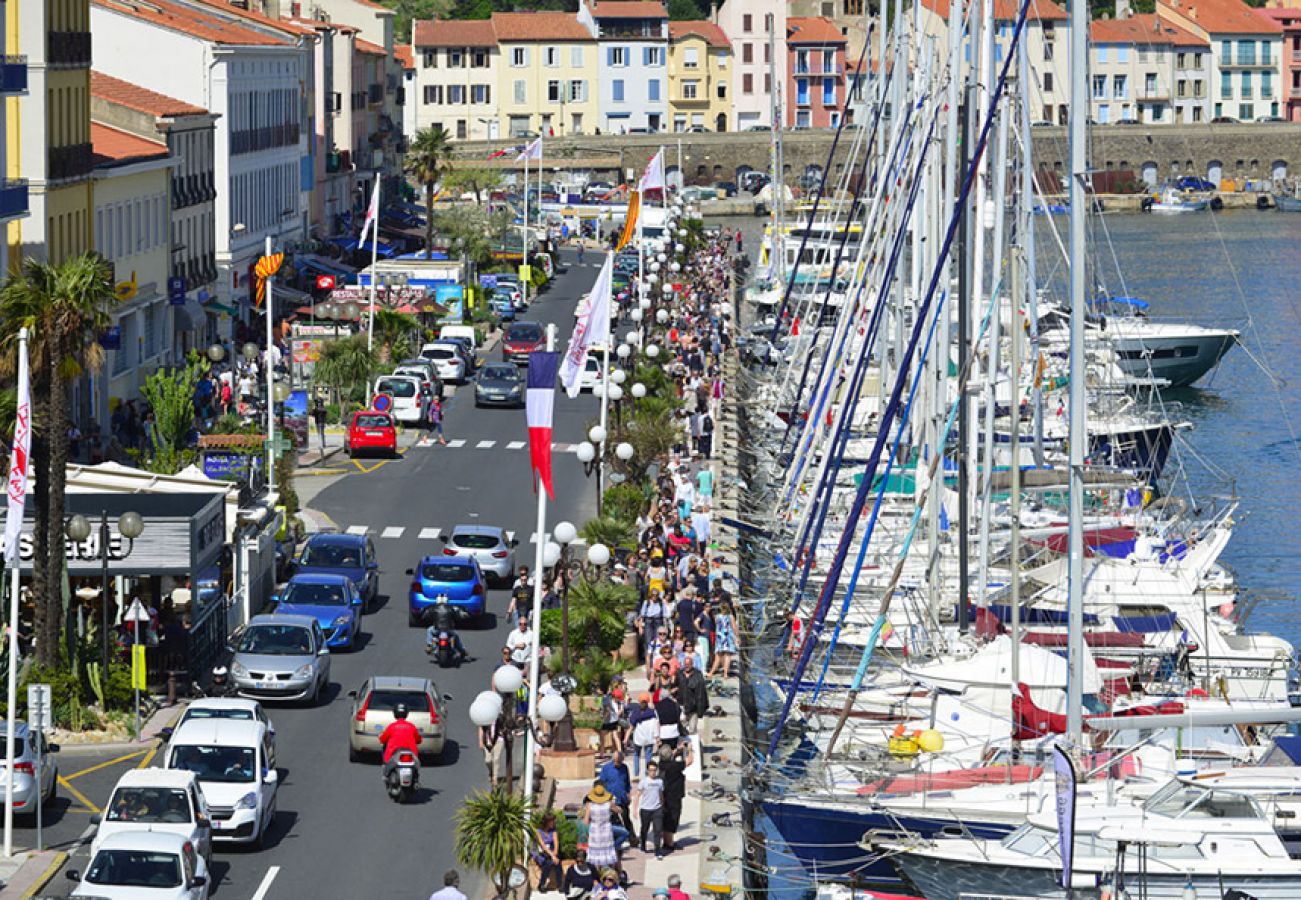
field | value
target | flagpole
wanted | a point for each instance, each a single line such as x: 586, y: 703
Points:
x: 11, y: 558
x: 524, y: 247
x: 605, y: 407
x: 374, y: 261
x: 530, y: 746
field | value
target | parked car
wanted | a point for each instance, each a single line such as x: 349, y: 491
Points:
x: 1224, y: 120
x: 425, y: 370
x: 158, y: 800
x: 240, y: 708
x: 231, y: 761
x: 520, y: 339
x: 281, y: 657
x: 1270, y: 119
x: 591, y: 376
x: 331, y: 600
x: 451, y: 367
x: 147, y: 865
x: 1195, y: 183
x: 411, y: 401
x: 510, y: 290
x: 465, y: 333
x: 503, y: 307
x: 372, y: 712
x: 330, y: 553
x: 488, y: 545
x: 697, y: 129
x: 464, y: 352
x: 371, y: 432
x: 499, y: 384
x: 27, y: 743
x: 726, y: 188
x: 458, y: 578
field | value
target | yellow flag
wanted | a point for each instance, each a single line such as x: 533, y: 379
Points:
x: 138, y: 670
x: 630, y: 223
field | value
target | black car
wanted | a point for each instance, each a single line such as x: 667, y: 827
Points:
x: 499, y: 384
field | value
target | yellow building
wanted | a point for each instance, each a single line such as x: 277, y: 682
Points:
x: 48, y: 135
x: 700, y: 58
x: 548, y: 68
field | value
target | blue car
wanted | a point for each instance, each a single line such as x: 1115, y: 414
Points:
x: 352, y: 555
x: 458, y: 578
x: 331, y: 600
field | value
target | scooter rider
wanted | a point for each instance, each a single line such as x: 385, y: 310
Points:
x: 444, y: 621
x: 400, y: 735
x: 221, y: 683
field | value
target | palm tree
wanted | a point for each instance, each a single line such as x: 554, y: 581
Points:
x: 64, y: 308
x: 393, y: 332
x: 346, y: 365
x: 609, y: 531
x: 426, y: 161
x: 493, y: 832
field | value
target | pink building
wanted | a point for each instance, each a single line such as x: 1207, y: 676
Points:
x: 1290, y: 21
x: 815, y: 73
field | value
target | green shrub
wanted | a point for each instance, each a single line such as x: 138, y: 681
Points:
x: 625, y: 502
x: 332, y: 412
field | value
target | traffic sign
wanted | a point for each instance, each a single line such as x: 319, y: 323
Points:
x: 325, y: 282
x: 40, y: 707
x: 382, y: 403
x: 176, y: 290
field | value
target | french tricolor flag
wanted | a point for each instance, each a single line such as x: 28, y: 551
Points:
x: 538, y: 404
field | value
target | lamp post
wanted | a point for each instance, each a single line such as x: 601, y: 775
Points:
x: 130, y: 525
x: 496, y: 709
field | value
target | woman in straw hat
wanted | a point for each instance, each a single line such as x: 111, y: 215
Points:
x: 599, y: 817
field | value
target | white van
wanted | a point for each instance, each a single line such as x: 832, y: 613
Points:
x: 156, y: 799
x: 410, y: 399
x: 230, y: 757
x: 461, y: 331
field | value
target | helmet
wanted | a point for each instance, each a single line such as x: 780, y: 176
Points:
x: 219, y: 675
x: 400, y: 711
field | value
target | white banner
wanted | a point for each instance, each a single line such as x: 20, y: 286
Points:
x: 19, y: 459
x: 591, y: 327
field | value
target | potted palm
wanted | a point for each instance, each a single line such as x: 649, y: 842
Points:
x: 493, y: 834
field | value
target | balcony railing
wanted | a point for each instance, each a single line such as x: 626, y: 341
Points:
x: 13, y: 198
x: 68, y: 49
x: 73, y: 161
x: 632, y: 31
x: 13, y: 74
x: 268, y: 137
x: 1295, y: 91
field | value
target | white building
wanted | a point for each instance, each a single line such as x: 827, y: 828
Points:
x: 757, y: 30
x: 252, y: 73
x: 457, y: 71
x: 633, y: 38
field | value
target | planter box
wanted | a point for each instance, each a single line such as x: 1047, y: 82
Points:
x: 570, y: 766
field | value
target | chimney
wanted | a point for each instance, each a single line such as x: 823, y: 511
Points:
x: 1123, y: 10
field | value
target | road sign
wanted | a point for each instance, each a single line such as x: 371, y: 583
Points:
x: 325, y: 282
x: 40, y: 707
x: 382, y: 403
x: 176, y: 290
x: 280, y: 444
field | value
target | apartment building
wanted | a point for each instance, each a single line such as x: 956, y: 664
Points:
x: 458, y: 65
x: 700, y: 77
x: 13, y: 84
x: 1143, y: 69
x: 757, y: 29
x: 550, y: 74
x: 1246, y: 50
x: 850, y: 18
x: 633, y: 40
x: 1289, y: 20
x: 815, y: 73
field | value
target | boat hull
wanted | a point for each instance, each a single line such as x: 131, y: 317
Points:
x: 1179, y: 360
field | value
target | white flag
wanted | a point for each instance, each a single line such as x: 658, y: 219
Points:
x: 532, y: 151
x: 591, y: 327
x: 372, y: 215
x: 653, y: 177
x: 19, y: 459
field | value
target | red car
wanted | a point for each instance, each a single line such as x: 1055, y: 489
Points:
x: 371, y: 431
x: 520, y: 339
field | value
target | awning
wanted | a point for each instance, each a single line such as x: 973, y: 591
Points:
x: 282, y: 293
x: 190, y: 316
x: 322, y: 265
x: 221, y: 308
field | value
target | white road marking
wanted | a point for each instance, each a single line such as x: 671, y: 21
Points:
x: 430, y: 534
x: 265, y: 886
x: 392, y: 531
x: 485, y: 445
x: 456, y: 443
x: 516, y: 445
x: 510, y: 536
x: 357, y: 529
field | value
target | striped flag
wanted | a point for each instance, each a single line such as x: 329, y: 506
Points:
x: 504, y: 150
x: 532, y: 151
x: 372, y: 216
x: 538, y: 403
x: 19, y: 457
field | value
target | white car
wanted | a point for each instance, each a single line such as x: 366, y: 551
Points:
x: 451, y: 368
x: 144, y: 865
x: 230, y: 759
x: 411, y: 400
x: 232, y: 708
x: 491, y: 547
x: 156, y: 800
x: 590, y: 378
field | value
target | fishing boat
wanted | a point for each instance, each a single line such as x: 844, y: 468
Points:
x: 1287, y: 202
x: 1172, y: 200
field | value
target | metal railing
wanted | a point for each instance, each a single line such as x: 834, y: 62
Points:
x: 71, y: 161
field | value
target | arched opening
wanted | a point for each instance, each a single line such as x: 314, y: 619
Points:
x: 720, y: 124
x: 673, y: 176
x: 1278, y: 170
x: 1149, y: 173
x: 742, y: 171
x: 1215, y: 172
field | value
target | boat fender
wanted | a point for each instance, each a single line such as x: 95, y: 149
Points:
x: 1147, y: 204
x: 1262, y: 201
x: 1217, y: 203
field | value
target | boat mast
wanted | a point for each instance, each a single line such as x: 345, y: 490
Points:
x: 1027, y: 241
x: 1078, y: 137
x: 778, y: 167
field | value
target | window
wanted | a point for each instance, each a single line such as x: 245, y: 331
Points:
x: 1226, y: 51
x: 1099, y: 86
x: 1197, y: 113
x: 553, y: 92
x: 1246, y: 112
x: 690, y: 57
x: 1197, y: 60
x: 577, y: 91
x: 801, y: 92
x: 679, y: 124
x: 1197, y: 88
x: 835, y: 120
x: 652, y: 56
x: 828, y: 92
x: 431, y: 59
x: 455, y: 93
x: 690, y: 90
x: 1048, y: 82
x: 1119, y: 87
x: 1226, y: 85
x: 521, y: 91
x: 1048, y: 51
x: 1181, y: 88
x: 1104, y: 114
x: 456, y: 59
x: 1266, y: 85
x: 802, y: 119
x: 1246, y: 53
x: 828, y: 62
x: 433, y: 93
x: 767, y: 82
x: 767, y: 53
x: 481, y: 93
x: 853, y: 7
x: 479, y: 59
x: 461, y: 129
x: 1102, y: 53
x: 1244, y: 85
x: 617, y: 87
x: 1149, y: 84
x: 1181, y: 61
x: 722, y: 90
x: 519, y: 57
x: 747, y: 53
x: 1265, y: 54
x: 801, y: 61
x: 551, y: 57
x: 653, y: 90
x: 1142, y: 54
x: 617, y: 56
x: 1122, y: 54
x: 747, y: 83
x: 576, y: 57
x: 747, y: 23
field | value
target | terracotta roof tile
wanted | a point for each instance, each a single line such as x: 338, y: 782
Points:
x: 812, y: 30
x: 1223, y: 16
x: 1007, y: 10
x: 132, y: 96
x: 369, y: 47
x: 114, y: 147
x: 455, y: 33
x: 252, y: 15
x: 712, y: 34
x: 1144, y: 29
x: 196, y: 23
x: 630, y: 9
x: 404, y: 55
x: 539, y: 26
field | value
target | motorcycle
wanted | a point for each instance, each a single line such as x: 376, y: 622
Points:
x: 403, y: 779
x: 443, y: 650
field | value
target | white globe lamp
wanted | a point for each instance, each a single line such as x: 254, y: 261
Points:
x: 625, y: 450
x: 586, y: 452
x: 552, y: 707
x: 507, y: 679
x: 639, y: 390
x: 564, y: 533
x: 596, y: 434
x: 551, y: 554
x: 652, y: 351
x: 598, y: 554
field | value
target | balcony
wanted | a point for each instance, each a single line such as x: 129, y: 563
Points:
x: 68, y: 49
x: 1294, y: 92
x: 13, y: 75
x: 67, y: 163
x: 13, y: 198
x: 645, y: 31
x: 268, y: 137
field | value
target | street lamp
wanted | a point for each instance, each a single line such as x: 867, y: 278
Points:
x: 130, y: 525
x: 216, y: 353
x: 497, y: 707
x: 652, y: 351
x: 618, y: 376
x: 662, y: 316
x: 638, y: 390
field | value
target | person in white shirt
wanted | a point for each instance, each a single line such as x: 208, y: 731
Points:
x: 451, y: 887
x: 520, y: 643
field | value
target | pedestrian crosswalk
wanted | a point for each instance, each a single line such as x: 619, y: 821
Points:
x: 488, y: 444
x: 427, y: 533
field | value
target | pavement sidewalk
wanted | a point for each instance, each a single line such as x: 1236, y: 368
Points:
x: 26, y: 874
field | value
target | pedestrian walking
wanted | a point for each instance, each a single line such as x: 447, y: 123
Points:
x: 599, y: 818
x: 318, y: 413
x: 436, y: 419
x: 645, y: 732
x: 649, y: 799
x: 451, y: 887
x: 673, y: 772
x: 693, y: 695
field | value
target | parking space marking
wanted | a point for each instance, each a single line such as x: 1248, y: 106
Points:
x: 392, y: 531
x: 516, y: 445
x: 485, y: 445
x: 80, y: 797
x: 430, y: 534
x: 265, y: 886
x: 357, y: 529
x: 456, y: 443
x: 104, y: 765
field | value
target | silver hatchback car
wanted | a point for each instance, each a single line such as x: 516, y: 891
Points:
x: 491, y: 547
x: 25, y: 768
x: 372, y: 712
x: 281, y: 657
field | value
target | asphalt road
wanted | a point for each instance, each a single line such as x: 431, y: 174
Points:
x: 337, y: 835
